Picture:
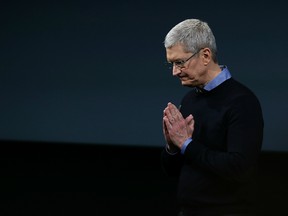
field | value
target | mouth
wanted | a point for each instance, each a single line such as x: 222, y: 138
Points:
x: 183, y: 78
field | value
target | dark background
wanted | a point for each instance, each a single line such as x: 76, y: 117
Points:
x: 94, y: 71
x: 82, y: 89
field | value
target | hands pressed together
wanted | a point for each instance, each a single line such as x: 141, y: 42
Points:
x: 176, y: 129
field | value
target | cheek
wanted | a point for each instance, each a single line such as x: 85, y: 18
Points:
x: 197, y: 71
x: 192, y: 72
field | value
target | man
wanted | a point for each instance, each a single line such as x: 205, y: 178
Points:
x: 214, y: 139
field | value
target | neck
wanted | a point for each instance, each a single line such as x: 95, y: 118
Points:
x: 212, y: 71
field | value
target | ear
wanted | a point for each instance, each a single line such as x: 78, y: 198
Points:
x: 206, y: 56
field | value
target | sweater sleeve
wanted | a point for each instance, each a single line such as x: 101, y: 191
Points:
x: 244, y: 139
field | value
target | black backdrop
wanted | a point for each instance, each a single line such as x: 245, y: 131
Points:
x: 93, y: 71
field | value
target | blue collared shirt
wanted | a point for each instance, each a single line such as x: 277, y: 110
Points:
x: 220, y: 78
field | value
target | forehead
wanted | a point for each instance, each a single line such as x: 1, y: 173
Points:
x: 175, y: 52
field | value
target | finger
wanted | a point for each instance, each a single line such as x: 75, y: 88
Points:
x: 168, y: 114
x: 164, y: 112
x: 172, y: 106
x: 164, y: 123
x: 189, y: 119
x: 167, y: 123
x: 174, y: 111
x: 165, y: 131
x: 190, y: 124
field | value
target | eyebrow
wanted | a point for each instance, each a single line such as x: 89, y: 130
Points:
x: 175, y: 60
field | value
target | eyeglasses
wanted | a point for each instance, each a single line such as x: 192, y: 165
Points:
x: 180, y: 63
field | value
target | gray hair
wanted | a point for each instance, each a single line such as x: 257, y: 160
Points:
x: 194, y: 34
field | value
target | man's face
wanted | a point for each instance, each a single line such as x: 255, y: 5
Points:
x: 186, y: 66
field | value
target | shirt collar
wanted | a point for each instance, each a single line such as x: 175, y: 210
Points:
x: 220, y: 78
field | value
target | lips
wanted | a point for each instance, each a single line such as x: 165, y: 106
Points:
x: 182, y: 77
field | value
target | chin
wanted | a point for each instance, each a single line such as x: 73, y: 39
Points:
x: 189, y: 84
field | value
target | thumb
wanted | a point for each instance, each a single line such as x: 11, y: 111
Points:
x: 189, y: 119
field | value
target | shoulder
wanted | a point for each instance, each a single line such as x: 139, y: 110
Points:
x: 242, y: 99
x: 235, y: 90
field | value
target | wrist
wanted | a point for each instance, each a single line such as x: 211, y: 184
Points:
x: 185, y: 144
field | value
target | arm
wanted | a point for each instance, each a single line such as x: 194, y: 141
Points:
x: 244, y: 138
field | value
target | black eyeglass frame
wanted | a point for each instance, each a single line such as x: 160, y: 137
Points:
x: 180, y: 64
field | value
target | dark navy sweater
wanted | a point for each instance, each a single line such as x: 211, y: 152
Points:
x: 219, y: 165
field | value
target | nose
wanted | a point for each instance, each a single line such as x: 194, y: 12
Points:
x: 176, y: 70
